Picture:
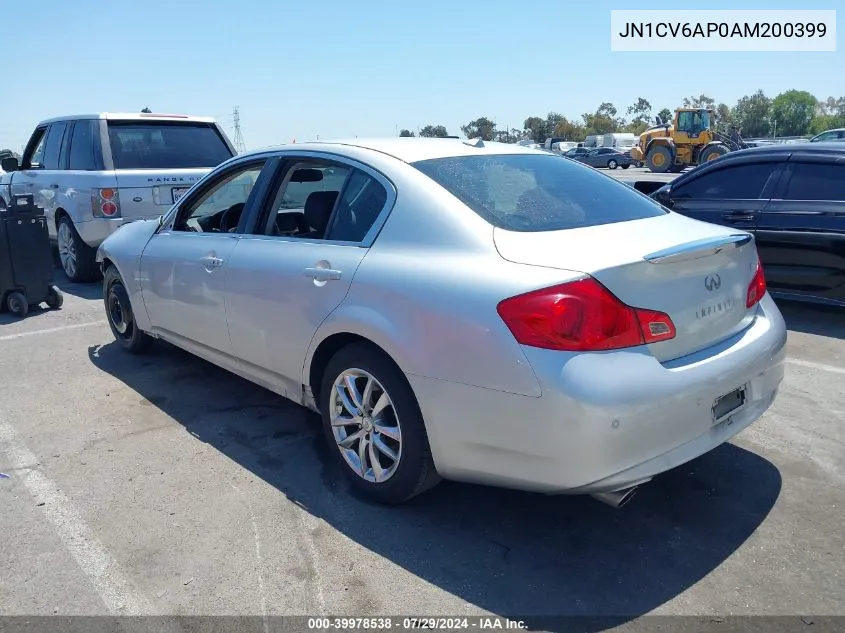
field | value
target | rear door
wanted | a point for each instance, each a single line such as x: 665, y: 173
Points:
x: 801, y: 234
x: 284, y: 284
x: 156, y: 161
x: 733, y: 195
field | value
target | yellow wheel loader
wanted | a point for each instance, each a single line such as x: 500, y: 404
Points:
x: 689, y: 140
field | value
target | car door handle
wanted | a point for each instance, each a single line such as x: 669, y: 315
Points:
x: 211, y: 262
x: 740, y: 216
x: 54, y: 186
x: 323, y: 274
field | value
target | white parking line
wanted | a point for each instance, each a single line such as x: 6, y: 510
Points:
x: 52, y: 330
x: 820, y: 366
x: 91, y: 556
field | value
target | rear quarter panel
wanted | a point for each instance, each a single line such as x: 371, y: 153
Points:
x: 427, y: 292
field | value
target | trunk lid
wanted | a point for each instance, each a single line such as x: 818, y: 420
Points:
x: 146, y: 193
x: 695, y: 272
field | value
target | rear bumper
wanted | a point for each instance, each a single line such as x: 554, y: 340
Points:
x: 94, y: 232
x: 604, y: 421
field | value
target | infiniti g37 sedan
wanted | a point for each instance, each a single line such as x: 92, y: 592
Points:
x: 459, y: 309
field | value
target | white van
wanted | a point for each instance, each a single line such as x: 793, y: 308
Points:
x: 622, y: 141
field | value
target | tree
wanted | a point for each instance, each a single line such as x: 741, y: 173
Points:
x: 569, y: 131
x: 792, y: 112
x: 751, y: 113
x: 602, y: 121
x: 481, y: 127
x: 665, y: 116
x: 434, y: 131
x: 701, y: 101
x: 724, y: 117
x: 146, y: 111
x: 641, y: 111
x: 405, y: 133
x: 535, y: 127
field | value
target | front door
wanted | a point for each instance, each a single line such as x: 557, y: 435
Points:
x: 297, y: 266
x: 185, y: 265
x: 30, y: 178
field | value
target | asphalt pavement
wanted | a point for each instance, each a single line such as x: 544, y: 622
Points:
x: 161, y: 484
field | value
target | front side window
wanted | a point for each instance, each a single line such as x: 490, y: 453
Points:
x: 816, y: 181
x: 219, y: 208
x: 166, y: 145
x: 36, y: 159
x: 736, y: 182
x: 527, y: 192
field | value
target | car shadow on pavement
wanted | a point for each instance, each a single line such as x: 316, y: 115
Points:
x: 511, y: 553
x: 821, y: 320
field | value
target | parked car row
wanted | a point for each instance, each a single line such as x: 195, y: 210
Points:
x: 600, y: 157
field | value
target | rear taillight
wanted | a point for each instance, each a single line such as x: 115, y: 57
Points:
x: 757, y: 287
x: 581, y: 316
x: 105, y: 203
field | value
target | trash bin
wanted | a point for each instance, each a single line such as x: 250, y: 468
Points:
x: 26, y: 258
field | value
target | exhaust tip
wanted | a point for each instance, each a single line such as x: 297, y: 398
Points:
x: 617, y: 498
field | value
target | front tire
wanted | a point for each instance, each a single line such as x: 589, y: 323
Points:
x: 374, y: 426
x: 77, y: 258
x: 612, y: 164
x: 713, y: 153
x: 624, y: 166
x: 120, y: 316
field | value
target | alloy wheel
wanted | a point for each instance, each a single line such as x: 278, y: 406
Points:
x: 365, y: 425
x: 67, y: 249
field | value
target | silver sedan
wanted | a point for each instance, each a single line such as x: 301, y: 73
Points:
x: 459, y: 309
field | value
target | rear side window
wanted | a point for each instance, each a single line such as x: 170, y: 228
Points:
x: 537, y: 192
x: 166, y: 145
x: 53, y: 146
x: 82, y: 147
x: 361, y: 202
x: 816, y: 181
x: 737, y: 182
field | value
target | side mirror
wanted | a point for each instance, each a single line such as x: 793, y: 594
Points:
x: 663, y: 197
x: 10, y: 164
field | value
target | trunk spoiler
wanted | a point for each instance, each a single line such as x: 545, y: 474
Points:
x: 699, y: 248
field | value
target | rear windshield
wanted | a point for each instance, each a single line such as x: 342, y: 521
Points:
x: 528, y: 192
x: 166, y: 145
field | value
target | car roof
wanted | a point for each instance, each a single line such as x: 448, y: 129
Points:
x: 407, y: 149
x: 832, y: 148
x: 129, y: 116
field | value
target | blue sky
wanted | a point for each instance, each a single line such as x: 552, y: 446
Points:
x: 338, y: 68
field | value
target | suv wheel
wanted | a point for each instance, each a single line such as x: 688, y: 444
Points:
x: 77, y: 258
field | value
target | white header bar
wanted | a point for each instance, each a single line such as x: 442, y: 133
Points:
x: 728, y: 30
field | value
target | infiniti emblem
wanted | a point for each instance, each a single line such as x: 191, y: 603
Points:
x: 712, y: 282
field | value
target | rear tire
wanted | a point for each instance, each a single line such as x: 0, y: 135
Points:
x: 77, y: 258
x: 17, y: 304
x: 659, y: 159
x: 120, y: 315
x: 392, y: 430
x: 624, y: 166
x: 612, y: 164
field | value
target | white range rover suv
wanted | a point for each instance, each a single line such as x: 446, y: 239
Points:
x: 92, y: 173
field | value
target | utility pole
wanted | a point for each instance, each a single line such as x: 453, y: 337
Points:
x: 240, y: 146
